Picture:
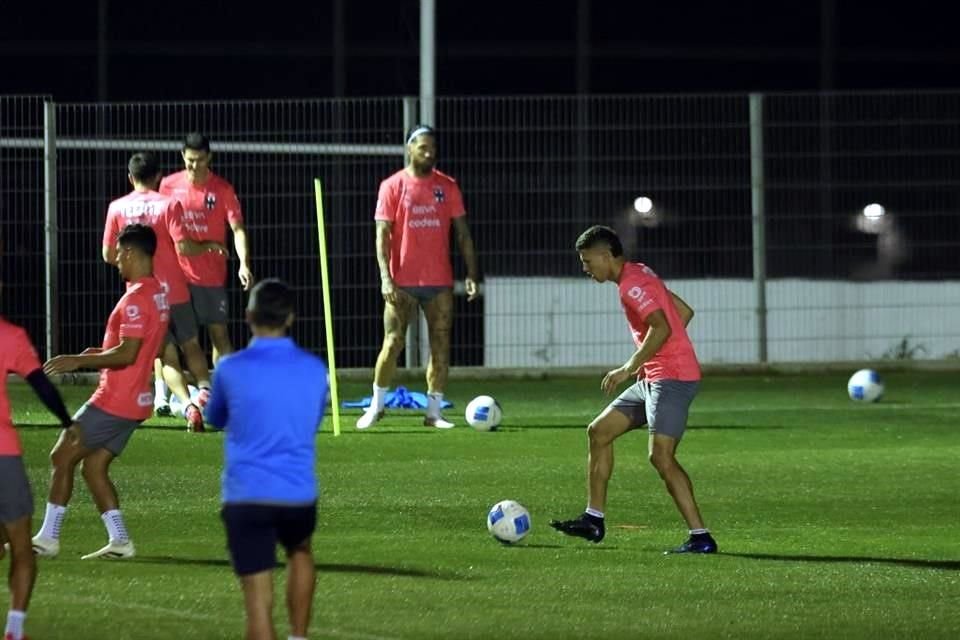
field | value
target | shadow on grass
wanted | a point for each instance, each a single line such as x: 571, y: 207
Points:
x: 946, y: 565
x: 321, y: 567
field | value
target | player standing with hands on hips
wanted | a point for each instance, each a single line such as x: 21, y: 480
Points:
x: 668, y: 377
x: 415, y: 208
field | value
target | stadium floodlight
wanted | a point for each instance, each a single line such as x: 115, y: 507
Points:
x: 643, y: 205
x: 874, y: 219
x: 874, y: 211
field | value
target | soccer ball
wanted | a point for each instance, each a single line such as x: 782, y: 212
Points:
x: 865, y: 386
x: 508, y: 521
x: 484, y: 413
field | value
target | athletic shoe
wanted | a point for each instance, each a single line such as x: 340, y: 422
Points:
x: 582, y: 527
x: 203, y: 397
x: 700, y: 543
x: 114, y: 550
x: 46, y: 547
x: 162, y: 410
x: 369, y: 418
x: 194, y: 419
x: 437, y: 423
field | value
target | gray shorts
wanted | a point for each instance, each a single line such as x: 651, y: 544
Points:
x: 209, y: 304
x: 662, y: 405
x: 183, y: 323
x: 16, y: 499
x: 424, y: 295
x: 102, y: 430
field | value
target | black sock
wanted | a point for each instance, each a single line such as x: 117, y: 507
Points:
x: 594, y: 520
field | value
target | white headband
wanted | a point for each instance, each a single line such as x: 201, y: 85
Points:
x: 418, y: 131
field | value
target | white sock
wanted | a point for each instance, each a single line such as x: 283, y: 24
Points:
x: 594, y: 513
x: 379, y: 398
x: 434, y: 401
x: 113, y: 520
x: 697, y: 532
x: 204, y: 384
x: 160, y: 391
x: 15, y: 624
x: 52, y: 521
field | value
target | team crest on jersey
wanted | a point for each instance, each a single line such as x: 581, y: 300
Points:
x: 133, y: 311
x: 210, y: 201
x: 438, y: 194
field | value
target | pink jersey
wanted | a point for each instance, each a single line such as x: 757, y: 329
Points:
x: 420, y: 210
x: 207, y: 209
x: 165, y: 216
x: 141, y: 313
x: 641, y: 293
x: 18, y: 356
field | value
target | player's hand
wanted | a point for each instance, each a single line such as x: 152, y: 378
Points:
x: 60, y: 364
x: 389, y: 291
x: 613, y: 379
x: 473, y: 290
x: 246, y: 277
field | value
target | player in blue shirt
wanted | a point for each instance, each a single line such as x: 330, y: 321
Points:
x: 270, y: 399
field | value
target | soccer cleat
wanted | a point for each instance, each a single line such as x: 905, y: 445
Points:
x: 203, y: 397
x: 194, y: 419
x: 437, y: 423
x: 46, y: 547
x: 162, y: 410
x: 701, y: 543
x: 581, y: 527
x: 114, y: 550
x: 369, y: 418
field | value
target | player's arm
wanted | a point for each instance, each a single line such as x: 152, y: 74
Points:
x: 242, y: 245
x: 190, y: 247
x: 384, y: 232
x: 469, y: 253
x: 118, y: 357
x: 49, y: 395
x: 109, y: 254
x: 658, y: 332
x: 685, y: 310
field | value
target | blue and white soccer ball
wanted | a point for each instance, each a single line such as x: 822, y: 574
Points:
x: 484, y: 413
x: 865, y: 386
x: 508, y: 521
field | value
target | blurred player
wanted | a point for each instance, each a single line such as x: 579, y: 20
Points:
x: 415, y: 207
x: 270, y: 398
x: 164, y: 215
x: 209, y: 204
x: 668, y: 376
x: 18, y: 356
x: 123, y: 399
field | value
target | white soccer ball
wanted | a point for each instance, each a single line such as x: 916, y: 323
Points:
x: 508, y: 521
x: 484, y: 413
x: 865, y: 386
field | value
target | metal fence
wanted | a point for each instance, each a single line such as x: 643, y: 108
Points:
x: 755, y: 208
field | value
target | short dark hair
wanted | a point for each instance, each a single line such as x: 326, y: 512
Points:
x: 143, y: 166
x: 196, y: 141
x: 271, y: 303
x: 139, y: 236
x: 600, y: 235
x: 418, y: 130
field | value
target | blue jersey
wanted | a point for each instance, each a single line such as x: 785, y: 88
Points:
x: 270, y: 398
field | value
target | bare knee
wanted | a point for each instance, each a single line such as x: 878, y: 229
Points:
x: 598, y: 435
x: 393, y: 344
x: 663, y: 461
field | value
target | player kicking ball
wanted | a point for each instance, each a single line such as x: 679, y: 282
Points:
x: 668, y: 376
x: 123, y: 399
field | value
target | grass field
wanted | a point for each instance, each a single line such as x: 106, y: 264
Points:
x: 834, y: 521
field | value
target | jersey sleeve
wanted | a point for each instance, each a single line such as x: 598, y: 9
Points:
x: 23, y: 358
x: 639, y: 299
x: 134, y: 316
x: 111, y: 229
x: 455, y: 206
x: 387, y: 200
x: 232, y: 205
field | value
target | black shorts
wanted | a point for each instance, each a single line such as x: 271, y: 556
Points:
x: 253, y: 531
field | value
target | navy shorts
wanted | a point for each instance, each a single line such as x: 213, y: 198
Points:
x: 183, y: 323
x: 209, y: 304
x: 16, y: 500
x: 253, y: 531
x: 662, y: 405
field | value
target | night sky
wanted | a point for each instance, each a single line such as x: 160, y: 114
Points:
x: 227, y: 50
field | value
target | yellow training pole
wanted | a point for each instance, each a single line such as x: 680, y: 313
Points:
x: 327, y: 310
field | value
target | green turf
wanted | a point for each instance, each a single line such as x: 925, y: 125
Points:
x: 834, y: 521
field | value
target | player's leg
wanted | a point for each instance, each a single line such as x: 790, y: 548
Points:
x: 396, y: 317
x: 185, y: 331
x: 258, y: 602
x: 295, y: 527
x: 173, y: 375
x: 439, y: 315
x: 22, y: 574
x: 221, y: 341
x: 64, y: 458
x: 161, y: 404
x: 251, y: 540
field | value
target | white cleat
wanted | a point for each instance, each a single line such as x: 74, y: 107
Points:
x: 46, y: 547
x: 438, y: 423
x: 369, y: 418
x: 114, y: 550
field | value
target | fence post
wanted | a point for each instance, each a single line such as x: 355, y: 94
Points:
x: 50, y: 228
x: 758, y: 212
x: 411, y: 352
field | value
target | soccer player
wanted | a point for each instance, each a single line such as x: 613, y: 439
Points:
x: 270, y: 398
x: 668, y: 376
x: 18, y: 356
x: 209, y: 204
x: 123, y: 399
x: 415, y: 207
x: 165, y: 216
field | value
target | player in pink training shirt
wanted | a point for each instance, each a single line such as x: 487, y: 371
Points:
x: 415, y: 208
x: 668, y: 376
x: 18, y: 356
x: 165, y: 216
x: 209, y: 205
x: 123, y: 399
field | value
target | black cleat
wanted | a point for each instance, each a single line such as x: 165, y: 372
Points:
x: 584, y: 527
x: 700, y: 543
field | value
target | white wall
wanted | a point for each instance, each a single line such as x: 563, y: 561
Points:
x: 537, y: 322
